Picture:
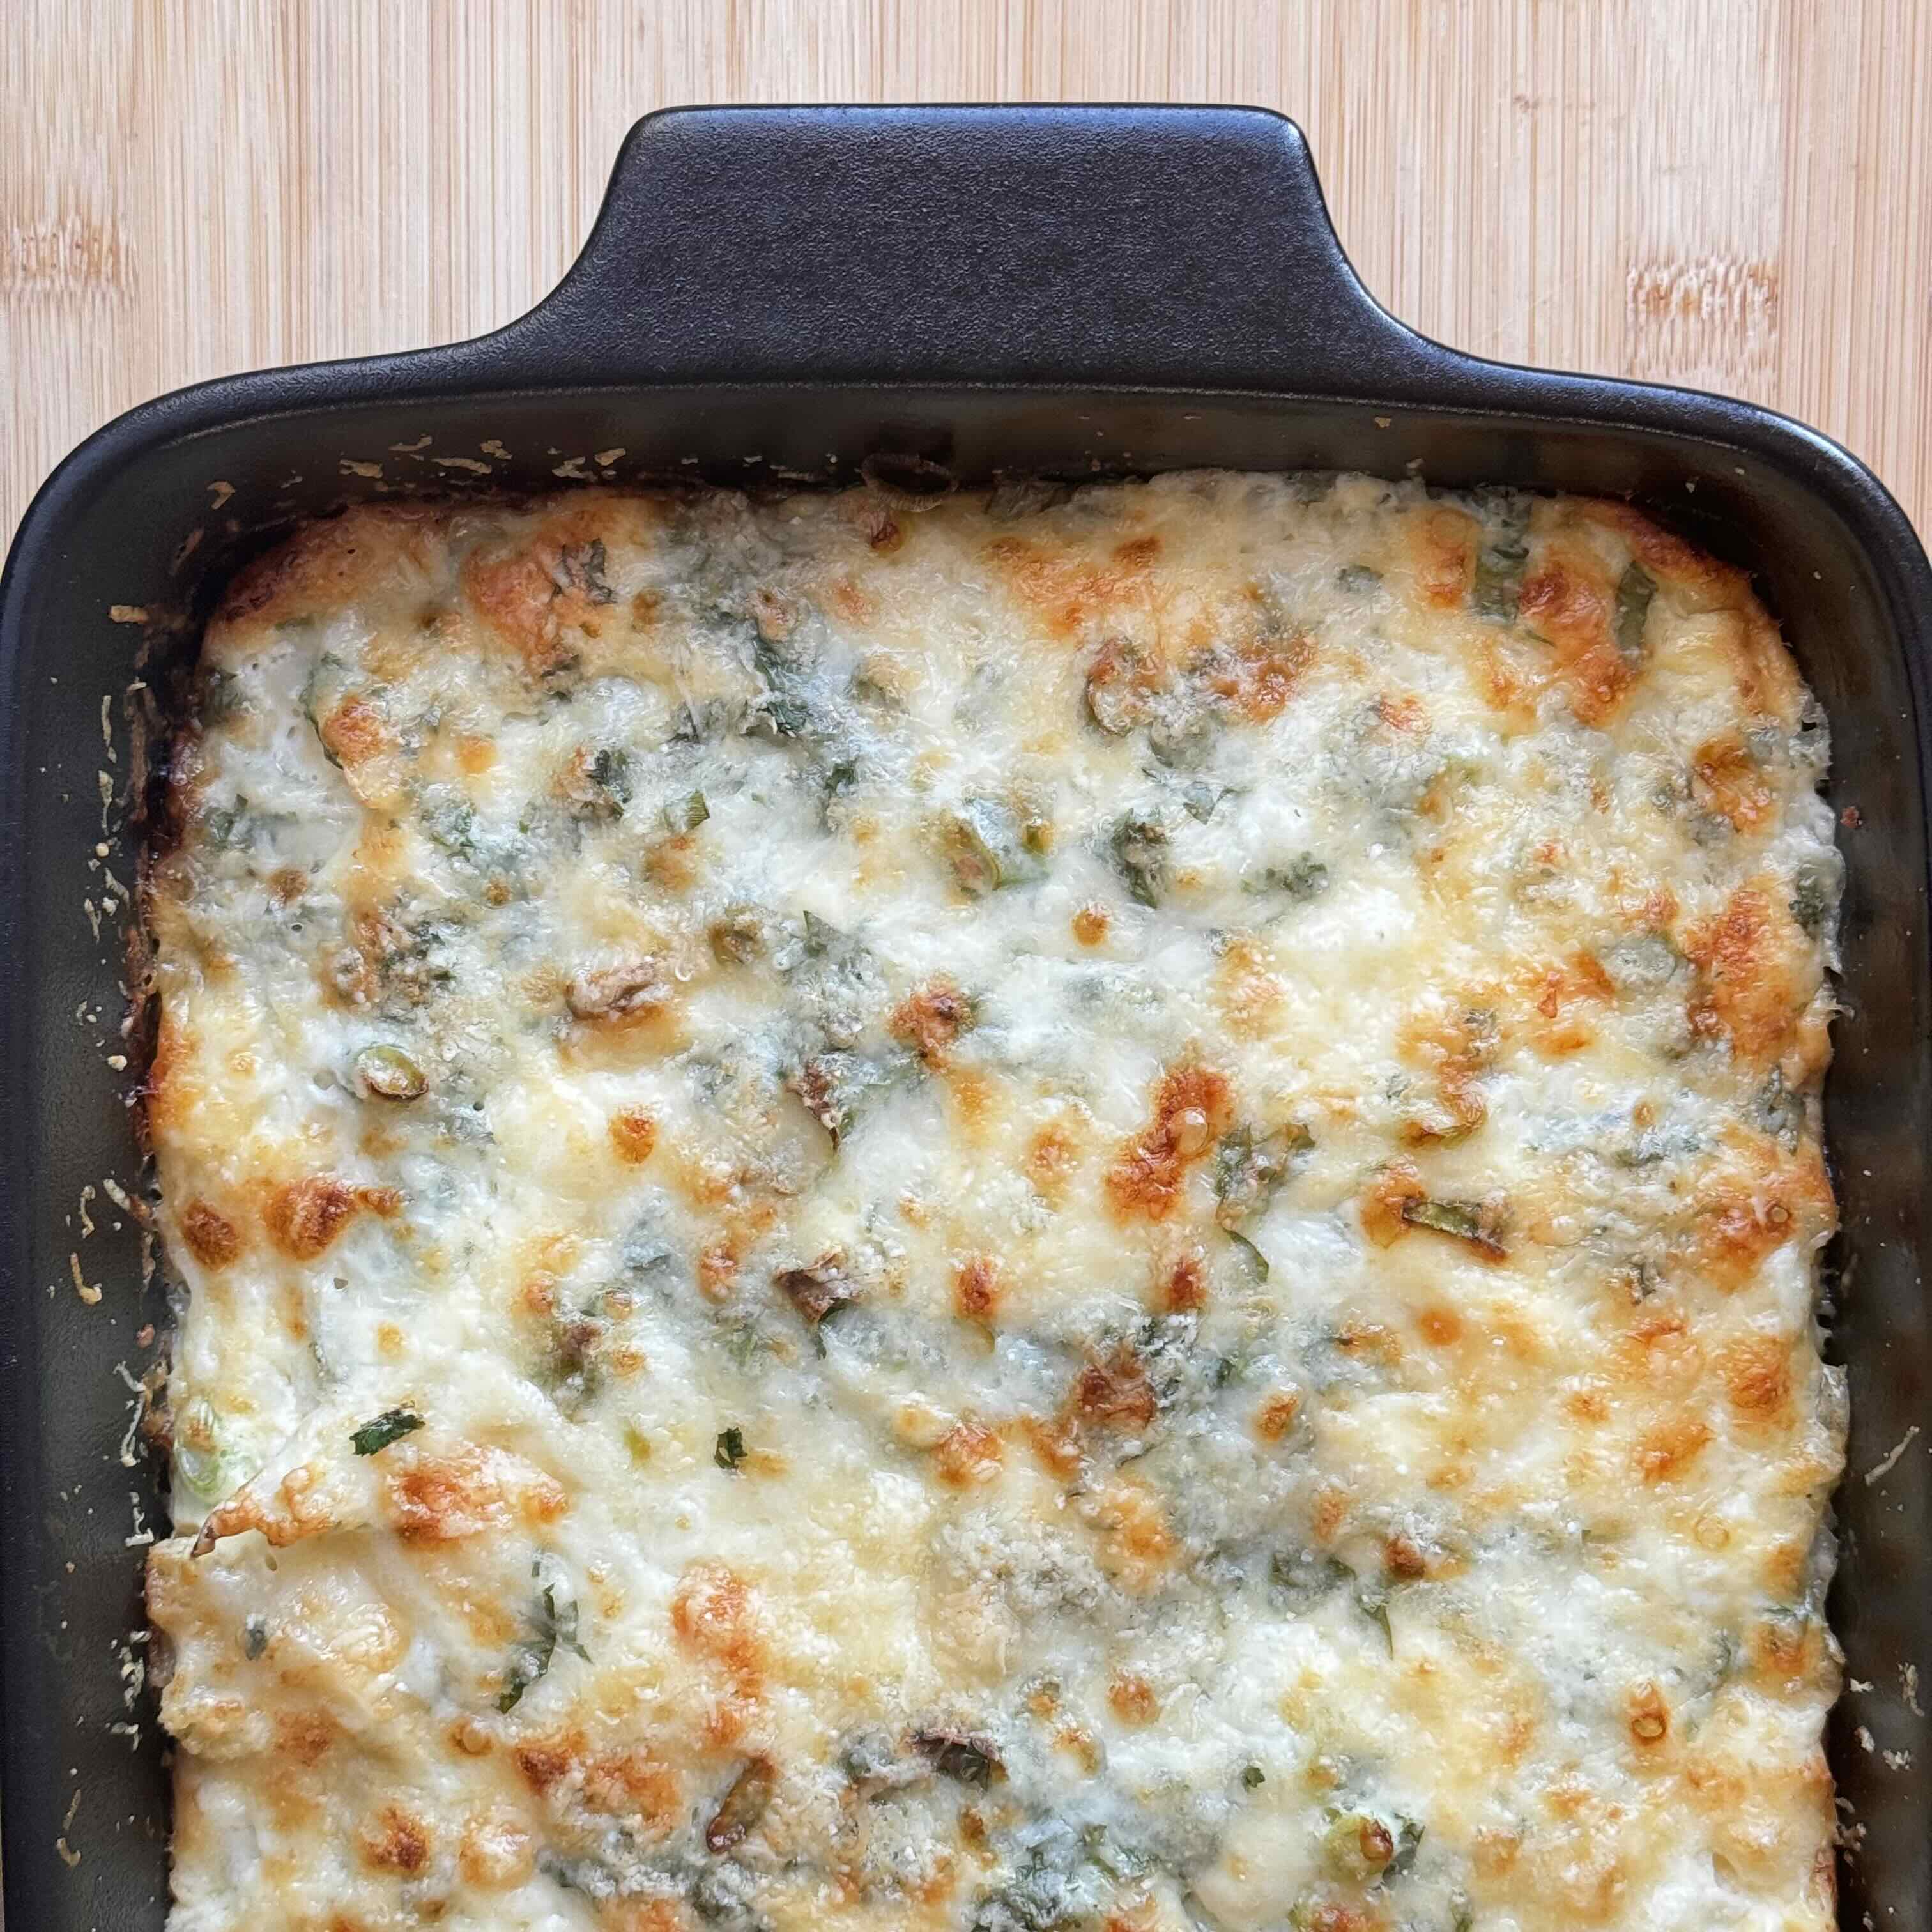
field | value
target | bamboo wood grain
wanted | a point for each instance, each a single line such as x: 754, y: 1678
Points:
x: 1733, y: 193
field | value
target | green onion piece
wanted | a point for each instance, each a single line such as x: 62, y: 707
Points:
x: 392, y: 1426
x: 1465, y: 1220
x: 1635, y: 589
x: 389, y: 1073
x: 1497, y: 592
x: 1139, y: 847
x: 686, y: 814
x: 986, y: 845
x: 730, y: 1451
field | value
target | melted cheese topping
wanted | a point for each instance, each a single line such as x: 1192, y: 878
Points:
x: 1060, y: 1210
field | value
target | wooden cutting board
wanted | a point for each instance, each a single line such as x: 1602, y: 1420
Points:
x: 1731, y: 193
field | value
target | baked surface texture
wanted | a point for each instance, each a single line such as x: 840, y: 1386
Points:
x: 1069, y: 1209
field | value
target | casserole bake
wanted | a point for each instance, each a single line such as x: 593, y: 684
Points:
x: 1069, y: 1205
x: 1297, y: 368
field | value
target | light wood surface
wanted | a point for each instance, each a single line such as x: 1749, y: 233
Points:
x: 1733, y: 193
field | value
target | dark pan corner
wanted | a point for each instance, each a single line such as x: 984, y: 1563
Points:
x: 769, y: 292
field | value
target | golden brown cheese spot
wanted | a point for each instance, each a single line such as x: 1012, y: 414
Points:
x: 1647, y: 1716
x: 1251, y: 999
x: 977, y: 1287
x: 929, y: 1019
x: 634, y: 1134
x: 1442, y: 544
x: 467, y: 1491
x: 1440, y: 1328
x: 1665, y: 1452
x: 1757, y: 1377
x: 1133, y: 1698
x: 1055, y: 1444
x: 1259, y: 675
x: 1122, y: 682
x: 304, y: 1217
x: 1277, y: 1415
x: 1390, y: 1188
x: 1182, y: 1286
x: 209, y: 1235
x: 1052, y: 1155
x: 711, y: 1618
x: 304, y: 1736
x: 325, y: 566
x: 395, y: 1841
x: 1456, y: 1047
x: 969, y: 1454
x: 1727, y: 781
x: 354, y: 732
x: 1090, y: 924
x: 1192, y: 1107
x: 1741, y: 1216
x: 1067, y: 590
x: 718, y: 1263
x: 637, y: 1786
x: 1136, y: 1543
x: 531, y: 597
x: 1113, y: 1394
x: 1567, y: 601
x: 496, y: 1853
x: 1744, y: 956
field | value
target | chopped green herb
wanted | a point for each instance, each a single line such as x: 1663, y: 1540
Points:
x: 954, y: 1754
x: 548, y: 1627
x: 836, y: 1085
x: 1257, y: 1260
x: 1635, y: 589
x: 201, y: 1460
x: 1360, y: 1845
x: 1814, y: 894
x: 1780, y: 1112
x: 1139, y: 848
x: 737, y: 935
x: 1183, y: 743
x: 1497, y: 590
x: 686, y: 814
x: 580, y: 568
x: 1408, y: 1843
x: 1469, y: 1221
x: 730, y: 1451
x: 1249, y: 1169
x: 1200, y: 800
x: 392, y: 1426
x: 1120, y: 684
x: 389, y: 1073
x: 221, y: 696
x: 1303, y: 877
x: 1371, y: 1599
x: 986, y: 843
x: 1253, y: 1777
x: 254, y: 1635
x: 603, y: 790
x: 1357, y: 578
x: 820, y: 935
x: 1299, y: 1578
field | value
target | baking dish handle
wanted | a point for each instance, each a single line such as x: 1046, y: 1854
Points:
x: 1167, y: 247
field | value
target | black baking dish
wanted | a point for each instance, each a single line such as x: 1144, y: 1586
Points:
x: 785, y: 292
